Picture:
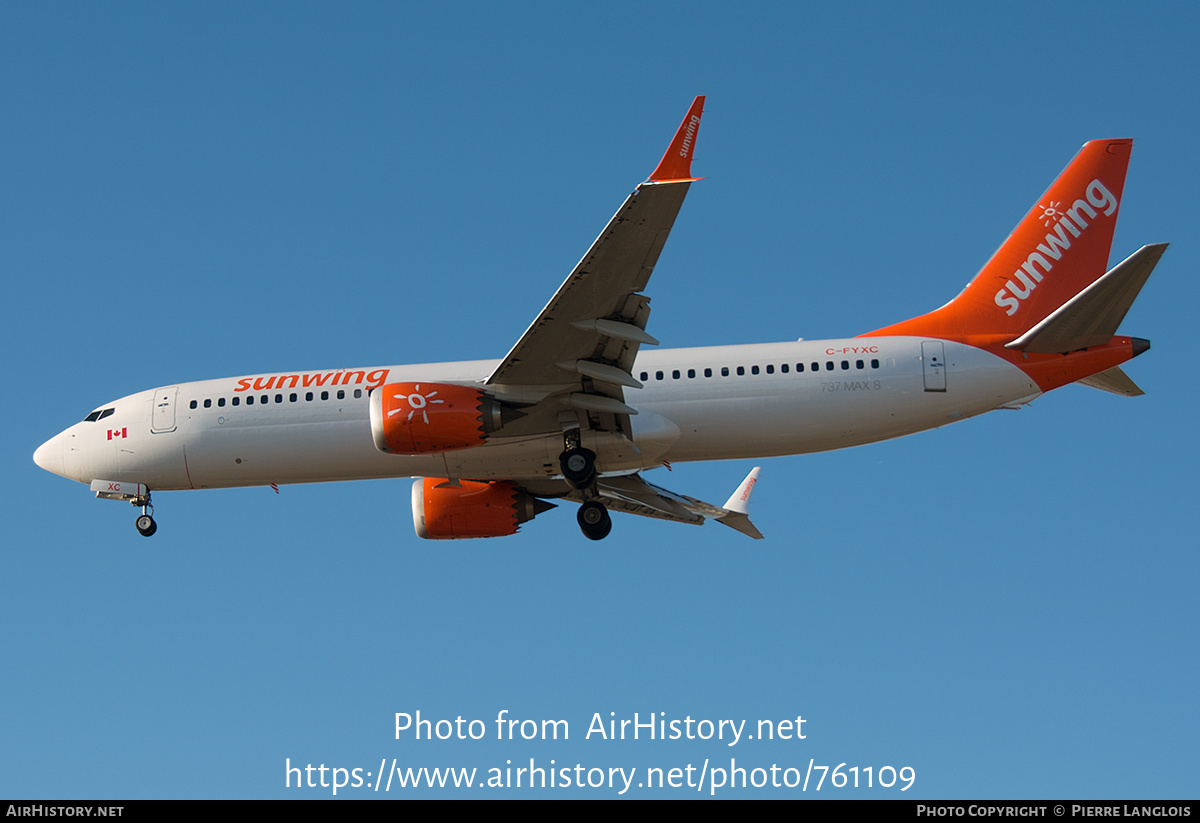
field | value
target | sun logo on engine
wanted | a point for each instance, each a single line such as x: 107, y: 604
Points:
x: 416, y: 403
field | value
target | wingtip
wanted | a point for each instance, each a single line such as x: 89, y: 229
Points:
x: 739, y: 501
x: 676, y: 164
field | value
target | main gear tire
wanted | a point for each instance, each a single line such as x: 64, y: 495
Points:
x: 578, y: 467
x: 594, y: 520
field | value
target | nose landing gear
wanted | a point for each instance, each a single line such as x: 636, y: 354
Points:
x: 136, y: 493
x: 145, y: 523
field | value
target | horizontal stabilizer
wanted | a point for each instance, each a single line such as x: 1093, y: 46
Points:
x: 1113, y: 380
x: 1091, y: 317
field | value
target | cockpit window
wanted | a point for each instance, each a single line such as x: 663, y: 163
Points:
x: 98, y: 414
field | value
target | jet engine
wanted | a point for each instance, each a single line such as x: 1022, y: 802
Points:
x: 470, y: 509
x: 417, y: 418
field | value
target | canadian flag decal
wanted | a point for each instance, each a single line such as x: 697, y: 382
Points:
x: 117, y: 433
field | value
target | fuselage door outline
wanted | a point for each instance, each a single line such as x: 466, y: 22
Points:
x: 933, y: 365
x: 162, y: 418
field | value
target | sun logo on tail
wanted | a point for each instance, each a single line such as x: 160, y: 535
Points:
x: 1051, y: 213
x: 416, y: 403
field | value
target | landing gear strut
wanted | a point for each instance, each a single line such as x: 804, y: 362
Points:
x: 145, y: 523
x: 579, y: 470
x: 594, y: 520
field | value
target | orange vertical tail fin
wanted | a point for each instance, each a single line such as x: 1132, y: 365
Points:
x: 1059, y: 248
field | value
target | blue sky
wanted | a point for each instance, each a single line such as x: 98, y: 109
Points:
x: 1007, y: 605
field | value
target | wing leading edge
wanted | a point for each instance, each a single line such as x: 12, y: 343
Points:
x: 583, y: 343
x: 575, y: 361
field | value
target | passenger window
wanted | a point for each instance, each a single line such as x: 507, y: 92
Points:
x: 770, y: 369
x: 741, y: 370
x: 754, y: 369
x: 208, y: 403
x: 874, y: 364
x: 308, y: 395
x: 236, y: 400
x: 784, y: 368
x: 341, y: 394
x: 292, y: 397
x: 221, y: 402
x: 645, y: 376
x: 358, y: 392
x: 265, y: 399
x: 828, y: 365
x: 817, y: 366
x: 249, y: 400
x: 845, y: 365
x: 708, y: 372
x: 691, y: 373
x: 658, y: 375
x: 324, y: 395
x: 799, y: 368
x: 675, y: 374
x: 858, y: 364
x: 724, y: 371
x: 192, y: 405
x: 279, y: 398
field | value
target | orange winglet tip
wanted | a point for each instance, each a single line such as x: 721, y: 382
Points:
x: 676, y: 165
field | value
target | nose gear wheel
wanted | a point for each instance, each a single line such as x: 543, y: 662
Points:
x: 145, y: 523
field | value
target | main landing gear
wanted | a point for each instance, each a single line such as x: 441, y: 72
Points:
x: 145, y: 523
x: 578, y: 467
x: 594, y: 520
x: 579, y: 470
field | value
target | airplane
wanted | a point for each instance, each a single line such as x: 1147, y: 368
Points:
x: 577, y: 410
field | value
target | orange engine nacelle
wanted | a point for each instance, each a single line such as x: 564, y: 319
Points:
x: 417, y: 418
x: 471, y: 509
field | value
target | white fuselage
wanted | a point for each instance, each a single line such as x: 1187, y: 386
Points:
x: 713, y: 403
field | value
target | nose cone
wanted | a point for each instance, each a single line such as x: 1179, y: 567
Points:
x: 49, y: 455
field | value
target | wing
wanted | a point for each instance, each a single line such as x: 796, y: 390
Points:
x: 633, y: 495
x: 579, y: 352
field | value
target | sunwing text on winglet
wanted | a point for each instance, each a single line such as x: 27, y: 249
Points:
x: 676, y: 164
x: 578, y: 410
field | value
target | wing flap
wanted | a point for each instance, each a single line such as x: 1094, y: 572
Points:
x: 633, y: 495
